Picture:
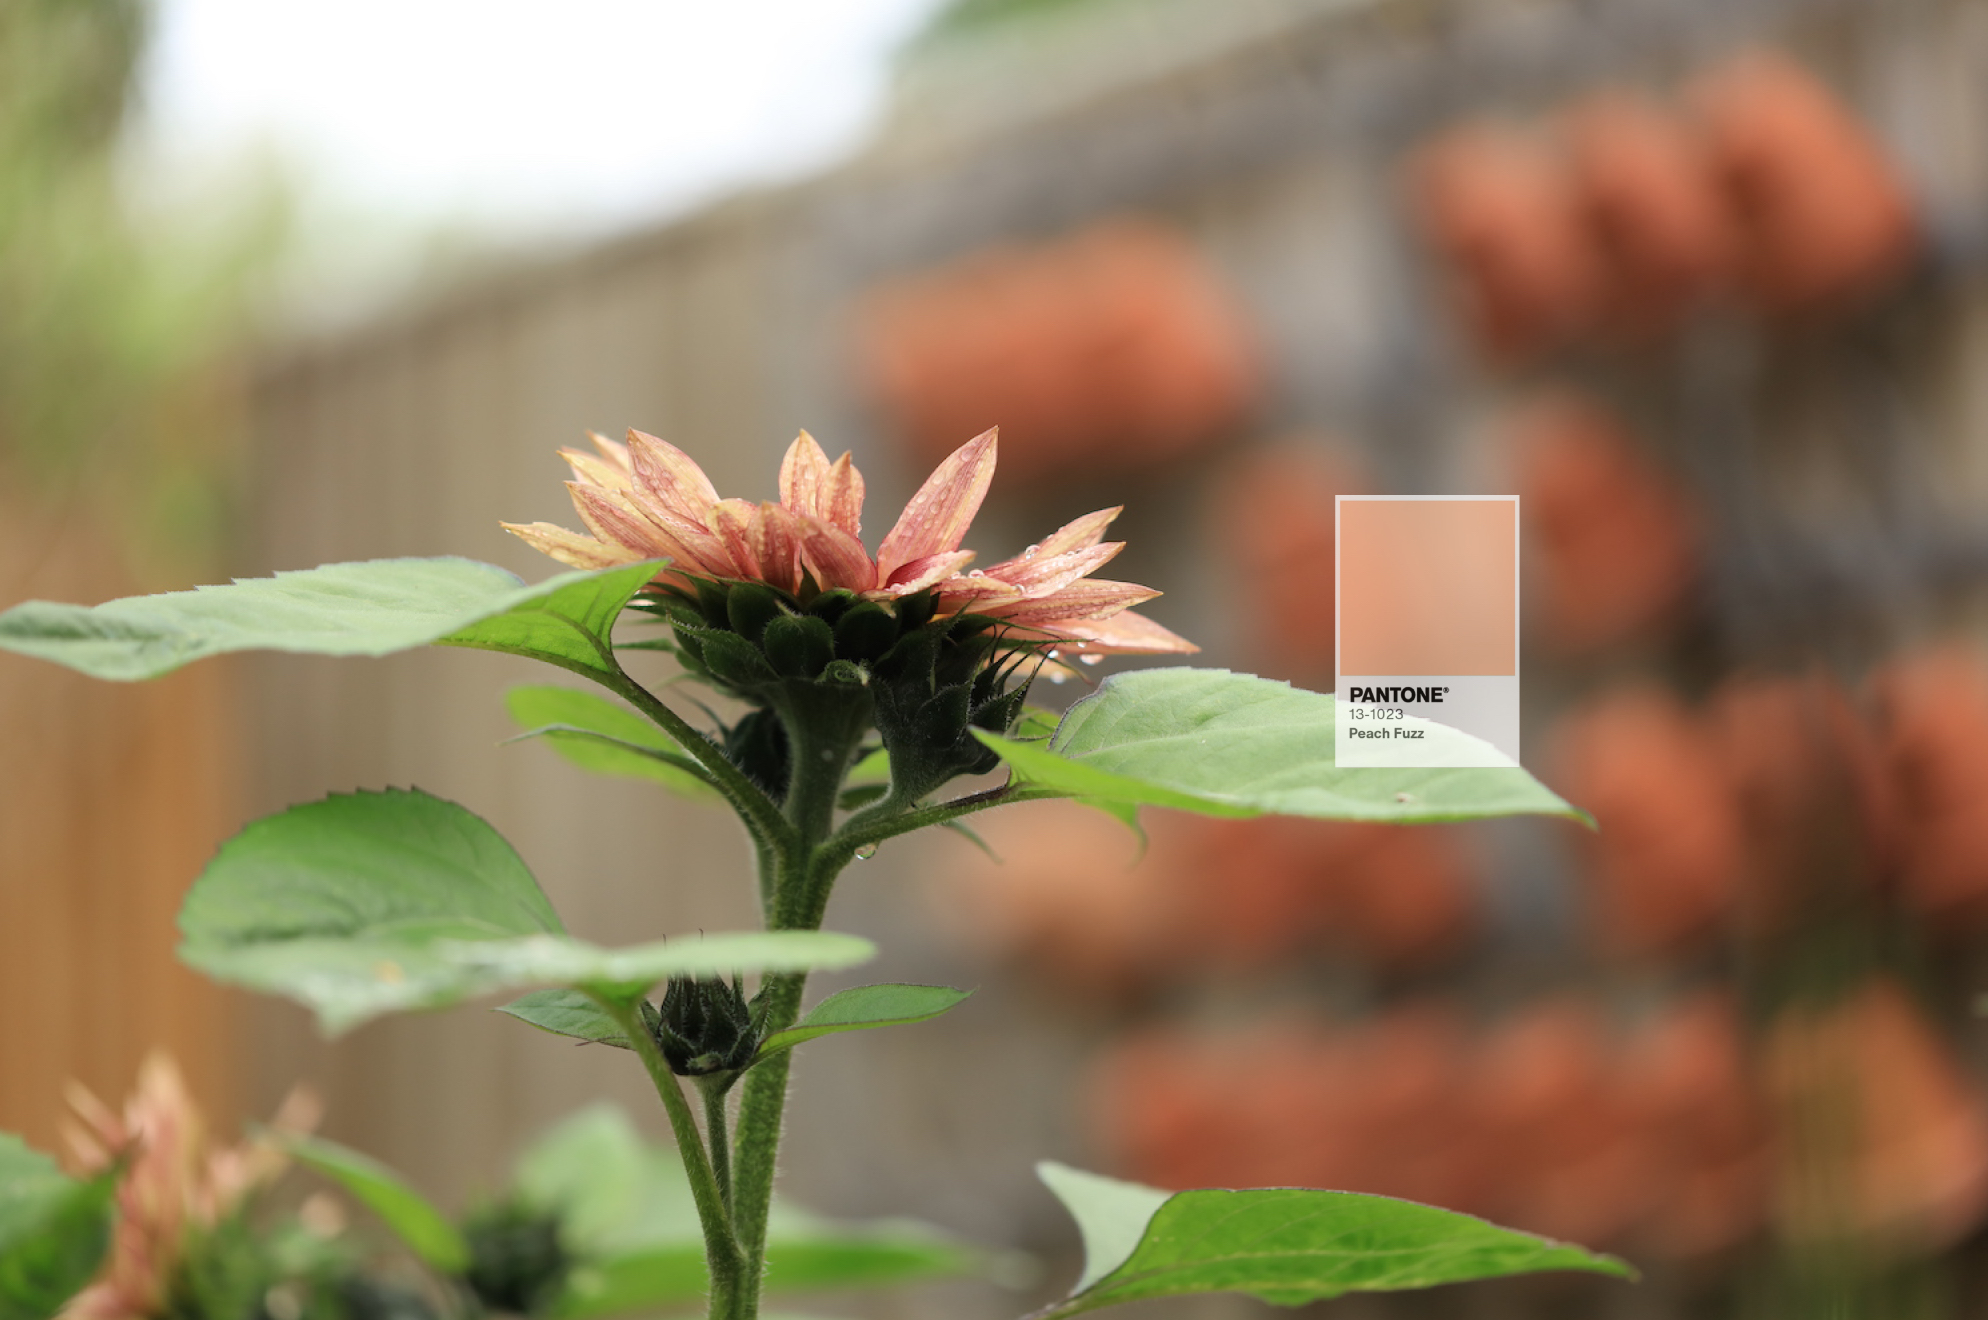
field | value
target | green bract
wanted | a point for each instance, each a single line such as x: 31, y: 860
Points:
x: 1286, y: 1245
x: 1223, y: 744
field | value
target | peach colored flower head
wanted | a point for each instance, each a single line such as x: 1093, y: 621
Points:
x: 647, y: 499
x: 173, y: 1184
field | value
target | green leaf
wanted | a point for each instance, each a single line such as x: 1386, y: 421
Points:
x: 565, y: 621
x: 54, y: 1231
x: 368, y: 903
x: 1223, y: 744
x: 872, y: 769
x: 627, y: 1213
x: 418, y: 1223
x: 866, y: 1006
x: 1285, y: 1245
x: 567, y: 1013
x: 596, y: 734
x: 371, y: 608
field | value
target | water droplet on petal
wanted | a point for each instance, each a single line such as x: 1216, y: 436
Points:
x: 866, y: 852
x: 974, y: 572
x: 1052, y: 654
x: 1030, y: 553
x: 1090, y: 659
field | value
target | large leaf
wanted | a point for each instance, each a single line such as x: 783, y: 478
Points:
x: 372, y: 608
x: 54, y: 1231
x: 367, y: 903
x: 425, y: 1229
x: 1223, y: 744
x: 627, y: 1213
x: 595, y: 734
x: 1285, y: 1245
x: 865, y: 1006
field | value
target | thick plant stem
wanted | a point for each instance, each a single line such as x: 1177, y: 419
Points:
x: 734, y: 1292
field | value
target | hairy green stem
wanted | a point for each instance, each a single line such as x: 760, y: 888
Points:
x: 717, y: 1133
x: 730, y: 1282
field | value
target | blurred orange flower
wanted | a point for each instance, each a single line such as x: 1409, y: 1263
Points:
x: 648, y: 499
x: 173, y: 1184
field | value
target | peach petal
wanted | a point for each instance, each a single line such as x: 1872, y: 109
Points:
x: 1124, y: 633
x: 803, y: 475
x: 776, y: 544
x: 613, y: 451
x: 835, y: 558
x: 927, y: 572
x: 1081, y: 534
x: 614, y: 521
x: 570, y: 547
x: 936, y: 519
x: 596, y: 471
x: 671, y: 475
x: 842, y: 496
x: 1048, y: 574
x: 974, y: 591
x: 731, y: 522
x: 1092, y: 598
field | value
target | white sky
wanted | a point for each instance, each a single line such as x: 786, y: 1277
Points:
x: 550, y: 116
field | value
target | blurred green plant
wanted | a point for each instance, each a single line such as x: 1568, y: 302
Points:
x: 117, y: 319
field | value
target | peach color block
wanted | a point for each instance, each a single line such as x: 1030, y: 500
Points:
x: 1428, y: 586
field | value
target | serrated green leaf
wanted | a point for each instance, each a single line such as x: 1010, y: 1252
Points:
x: 865, y: 1006
x: 626, y: 1211
x: 1285, y: 1245
x: 1223, y: 744
x: 567, y: 1013
x: 54, y: 1231
x: 596, y: 734
x: 367, y: 903
x: 425, y: 1229
x: 370, y: 608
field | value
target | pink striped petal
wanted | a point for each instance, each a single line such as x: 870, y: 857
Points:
x: 776, y: 544
x: 1049, y: 574
x: 1092, y: 598
x: 936, y: 519
x: 570, y: 547
x: 803, y: 473
x: 596, y: 471
x: 975, y: 593
x: 835, y: 558
x: 731, y: 522
x: 927, y: 572
x: 614, y: 522
x: 613, y: 451
x: 691, y: 546
x: 842, y: 496
x: 1124, y: 633
x: 1081, y: 534
x: 670, y: 475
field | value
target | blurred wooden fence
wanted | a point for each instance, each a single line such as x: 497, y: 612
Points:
x: 112, y: 797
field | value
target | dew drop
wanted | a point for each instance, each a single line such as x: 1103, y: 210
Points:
x: 1090, y: 659
x: 1052, y: 654
x: 1031, y: 552
x: 974, y: 572
x: 866, y: 852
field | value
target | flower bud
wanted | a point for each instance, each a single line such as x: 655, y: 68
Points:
x: 704, y: 1026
